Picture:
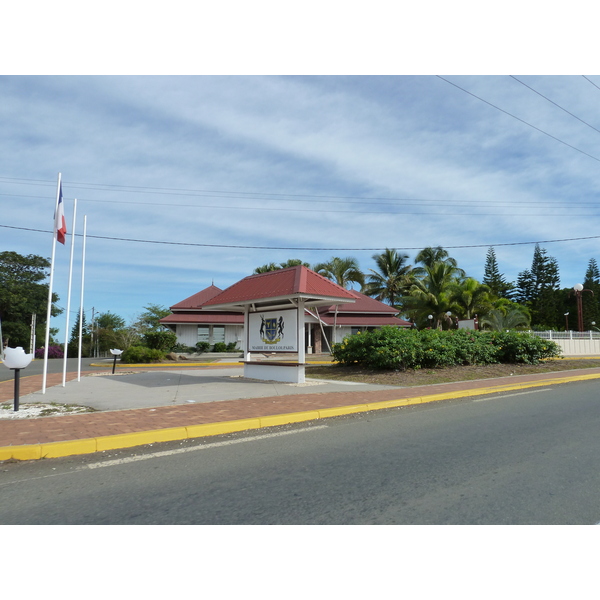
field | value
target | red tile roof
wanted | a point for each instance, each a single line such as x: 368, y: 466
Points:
x: 363, y: 304
x: 197, y: 300
x: 283, y: 283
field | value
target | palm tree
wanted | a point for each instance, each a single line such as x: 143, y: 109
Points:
x: 471, y: 297
x: 344, y: 271
x: 292, y: 262
x: 499, y: 320
x: 430, y: 256
x: 392, y: 279
x: 432, y: 294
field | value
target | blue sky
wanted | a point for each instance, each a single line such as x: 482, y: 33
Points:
x: 255, y: 169
x: 355, y: 147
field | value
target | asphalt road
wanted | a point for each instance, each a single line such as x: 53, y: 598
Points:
x: 36, y: 367
x: 525, y: 458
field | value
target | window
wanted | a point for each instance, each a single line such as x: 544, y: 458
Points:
x: 211, y: 334
x: 218, y: 334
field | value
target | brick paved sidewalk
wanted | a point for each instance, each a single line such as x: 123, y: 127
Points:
x: 99, y: 424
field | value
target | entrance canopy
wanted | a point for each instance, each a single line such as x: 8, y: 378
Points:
x: 274, y: 306
x: 281, y: 288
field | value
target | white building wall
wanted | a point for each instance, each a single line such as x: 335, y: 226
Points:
x: 234, y: 333
x: 341, y: 333
x: 188, y: 334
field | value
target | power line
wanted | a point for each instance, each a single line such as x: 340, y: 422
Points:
x: 555, y: 104
x: 240, y: 195
x: 518, y: 119
x: 587, y: 79
x: 408, y: 203
x: 100, y: 237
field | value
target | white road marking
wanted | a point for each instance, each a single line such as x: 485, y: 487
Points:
x: 130, y: 459
x: 511, y: 395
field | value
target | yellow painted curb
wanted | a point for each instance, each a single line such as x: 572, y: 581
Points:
x: 208, y: 429
x: 59, y: 449
x: 113, y: 442
x: 139, y: 438
x: 285, y: 419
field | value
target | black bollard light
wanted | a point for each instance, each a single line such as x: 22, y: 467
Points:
x: 15, y: 359
x: 115, y: 353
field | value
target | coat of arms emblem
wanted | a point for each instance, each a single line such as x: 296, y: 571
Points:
x: 271, y: 330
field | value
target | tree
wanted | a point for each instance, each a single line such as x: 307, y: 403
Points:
x: 494, y: 279
x: 22, y: 294
x: 392, y: 279
x: 73, y: 347
x: 501, y: 320
x: 591, y: 308
x: 266, y: 268
x: 344, y: 271
x: 149, y: 320
x: 538, y: 287
x: 432, y: 294
x: 525, y: 287
x: 430, y: 256
x: 111, y: 332
x: 292, y: 262
x: 471, y: 298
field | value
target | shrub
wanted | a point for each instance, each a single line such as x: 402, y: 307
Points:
x: 220, y: 347
x: 401, y: 349
x: 203, y: 347
x: 232, y: 347
x: 183, y: 349
x: 142, y: 354
x: 53, y: 352
x: 521, y: 347
x: 159, y: 340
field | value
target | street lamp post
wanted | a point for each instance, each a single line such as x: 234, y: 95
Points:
x: 578, y: 289
x: 566, y: 321
x: 16, y: 359
x: 430, y: 317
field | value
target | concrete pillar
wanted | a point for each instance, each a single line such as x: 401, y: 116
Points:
x: 247, y: 332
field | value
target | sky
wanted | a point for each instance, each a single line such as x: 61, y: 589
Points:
x: 191, y: 179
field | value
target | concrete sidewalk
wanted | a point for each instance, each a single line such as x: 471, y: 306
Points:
x: 176, y: 404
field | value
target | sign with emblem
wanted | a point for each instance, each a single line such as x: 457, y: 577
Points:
x: 273, y: 331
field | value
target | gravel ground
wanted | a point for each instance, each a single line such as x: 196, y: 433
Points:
x: 32, y: 411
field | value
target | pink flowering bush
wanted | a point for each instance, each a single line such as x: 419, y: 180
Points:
x: 53, y: 352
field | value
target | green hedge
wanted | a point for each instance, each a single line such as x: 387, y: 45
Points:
x: 401, y: 349
x: 141, y: 354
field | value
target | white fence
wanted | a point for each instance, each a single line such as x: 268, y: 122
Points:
x: 574, y: 343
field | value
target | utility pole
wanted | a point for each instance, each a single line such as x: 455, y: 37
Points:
x: 92, y: 340
x: 32, y: 336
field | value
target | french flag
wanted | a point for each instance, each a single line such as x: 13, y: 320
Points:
x: 60, y: 225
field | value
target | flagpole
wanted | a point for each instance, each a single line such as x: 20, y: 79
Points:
x: 49, y: 310
x: 81, y: 299
x: 64, y: 379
